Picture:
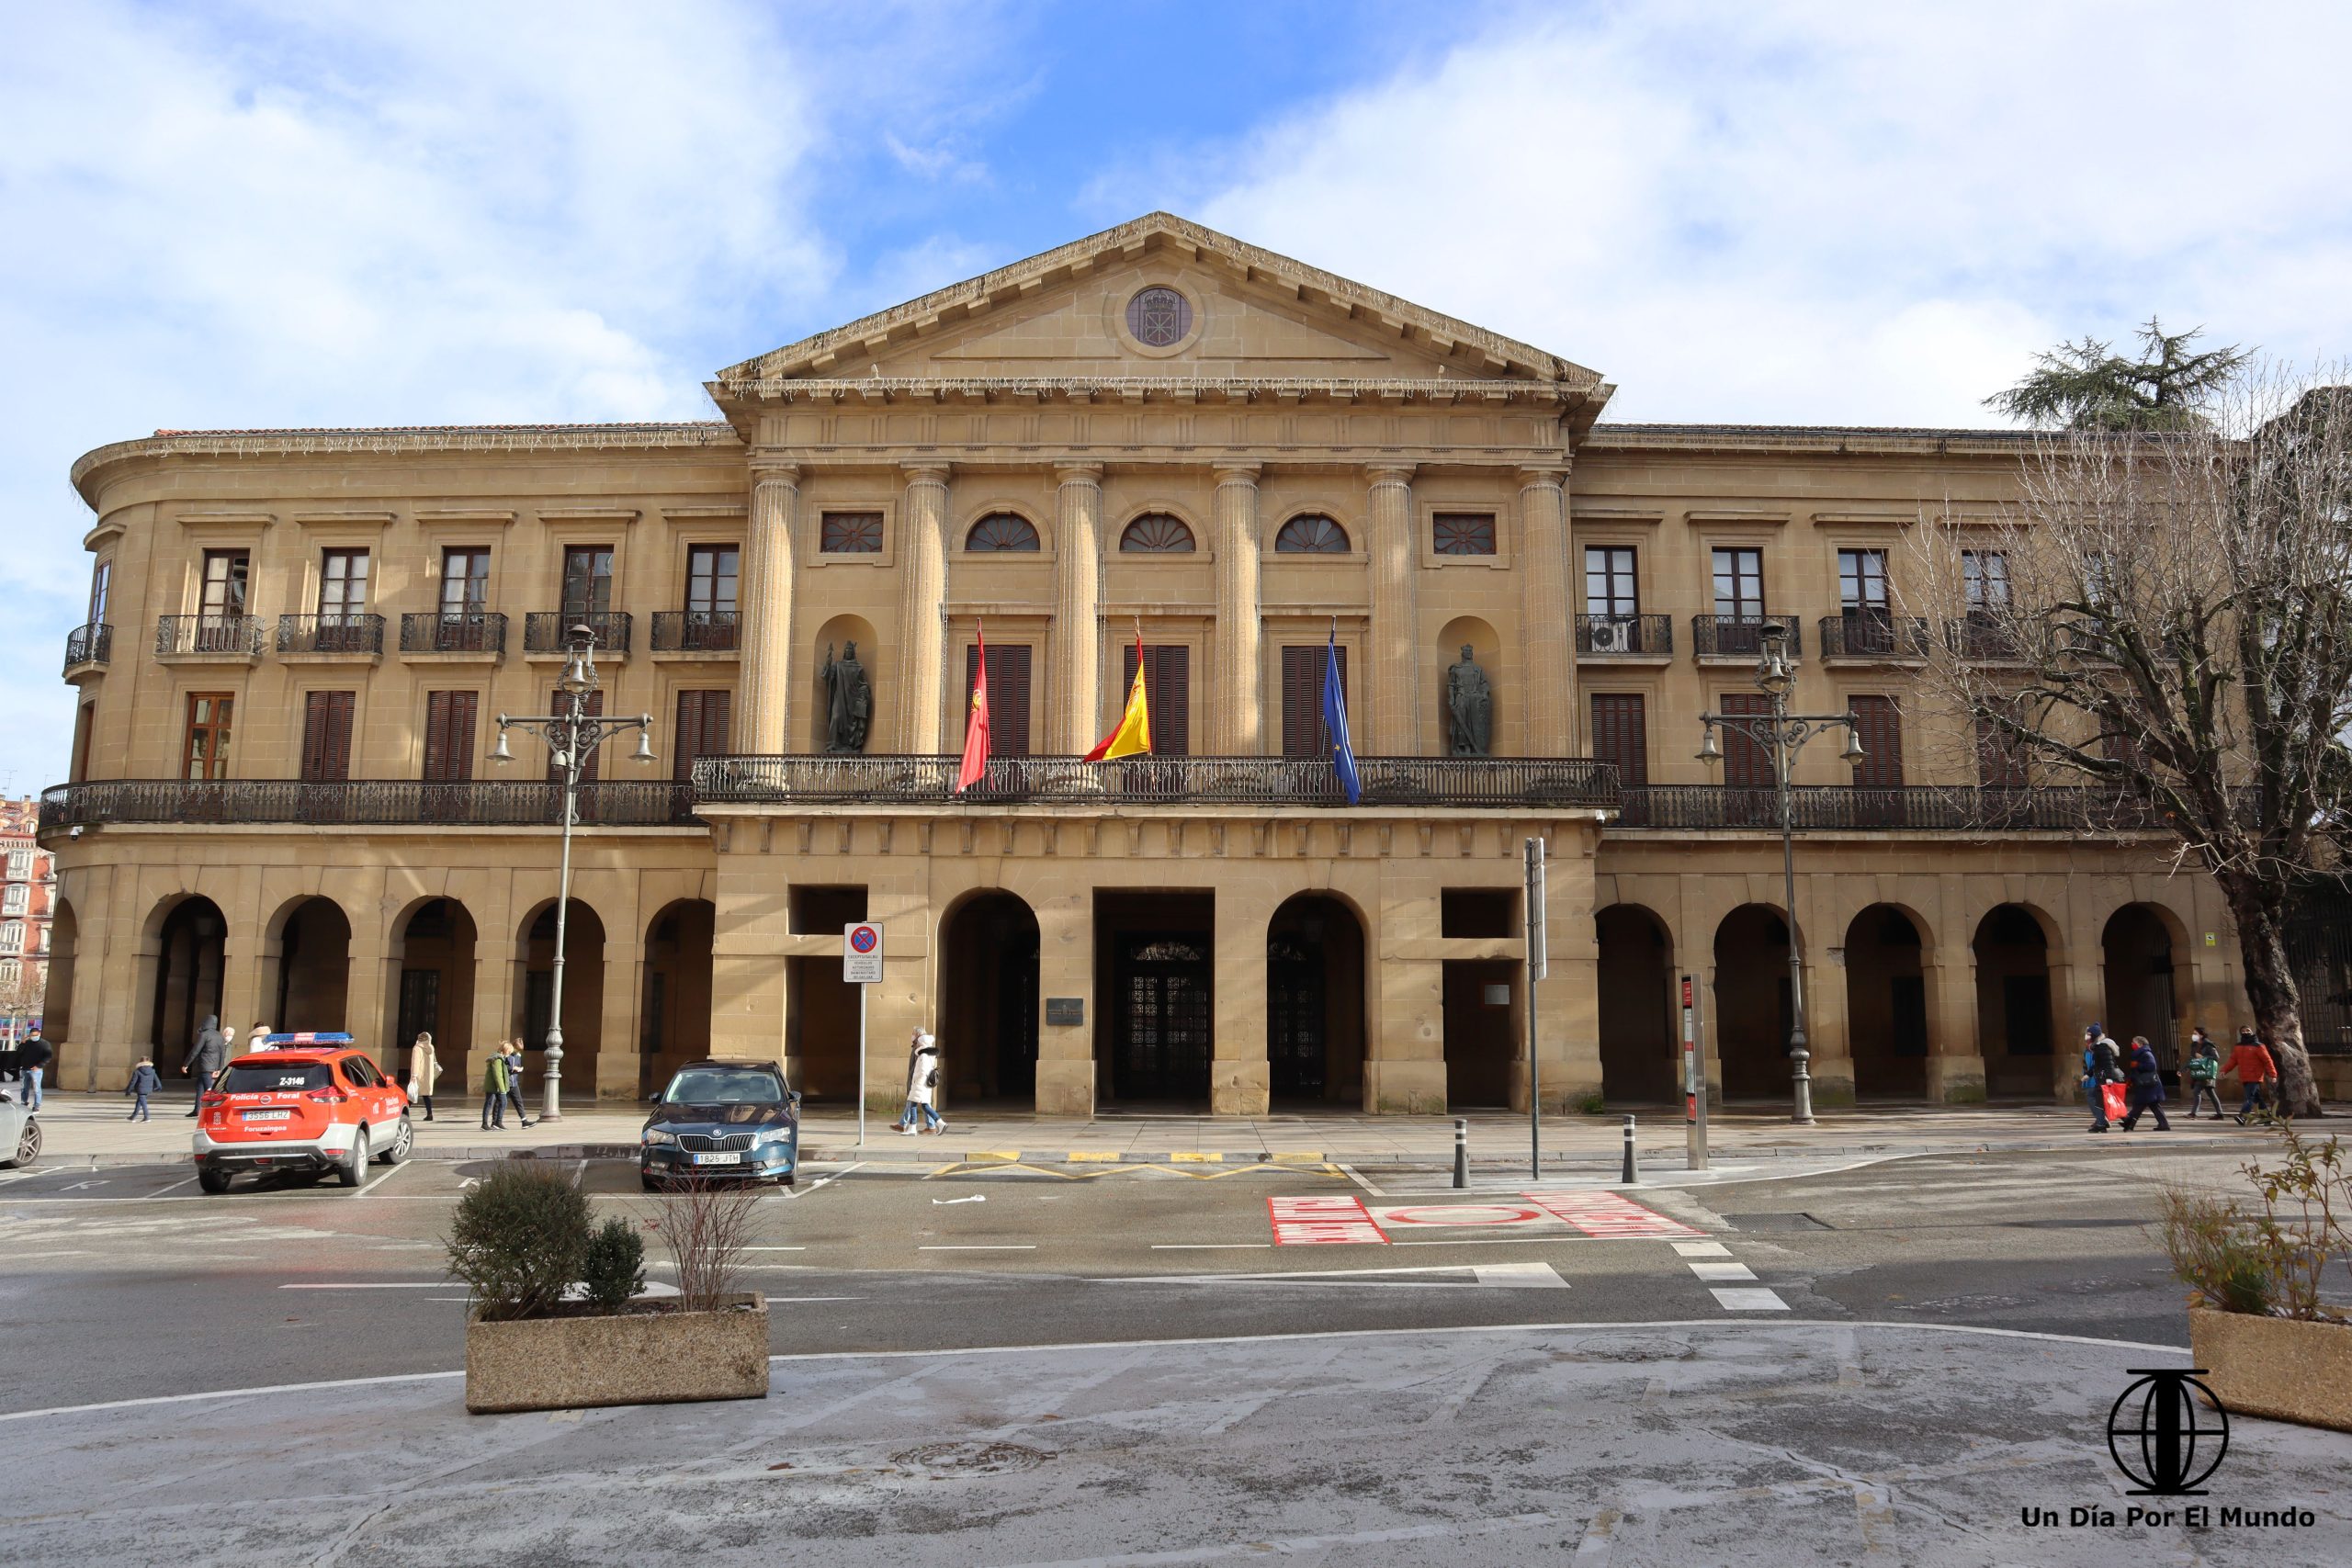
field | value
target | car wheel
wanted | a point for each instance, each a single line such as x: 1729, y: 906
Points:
x: 213, y: 1181
x: 354, y: 1169
x: 27, y: 1145
x: 790, y: 1180
x: 404, y: 1140
x: 648, y: 1181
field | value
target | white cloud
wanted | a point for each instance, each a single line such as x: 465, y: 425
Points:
x: 1835, y: 213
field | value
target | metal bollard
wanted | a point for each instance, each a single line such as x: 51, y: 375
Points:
x: 1626, y: 1176
x: 1461, y: 1152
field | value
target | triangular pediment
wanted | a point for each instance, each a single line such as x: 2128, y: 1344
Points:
x: 1246, y: 313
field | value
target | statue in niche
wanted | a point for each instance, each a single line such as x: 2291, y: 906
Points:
x: 1470, y: 705
x: 849, y: 700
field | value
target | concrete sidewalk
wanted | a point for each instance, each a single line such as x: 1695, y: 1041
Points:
x: 91, y: 1127
x: 1676, y: 1443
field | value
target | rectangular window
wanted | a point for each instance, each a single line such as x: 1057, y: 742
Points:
x: 205, y: 752
x: 15, y: 899
x: 12, y: 937
x: 101, y: 581
x: 1740, y: 584
x: 587, y: 579
x: 1747, y: 764
x: 450, y: 736
x: 1609, y: 580
x: 85, y: 719
x: 1984, y: 576
x: 224, y: 583
x: 1862, y: 582
x: 711, y: 572
x: 465, y: 582
x: 20, y: 864
x: 1621, y: 736
x: 704, y: 719
x: 1007, y: 697
x: 343, y: 584
x: 326, y: 737
x: 1463, y: 532
x: 1168, y: 688
x: 850, y: 534
x: 1880, y: 724
x: 1303, y: 731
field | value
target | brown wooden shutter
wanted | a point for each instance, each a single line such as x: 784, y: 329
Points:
x: 1007, y: 697
x: 1880, y: 724
x: 1303, y: 733
x: 326, y: 737
x: 2000, y: 759
x: 1168, y: 685
x: 449, y: 735
x: 594, y: 709
x: 1747, y: 764
x: 704, y: 719
x: 1621, y: 736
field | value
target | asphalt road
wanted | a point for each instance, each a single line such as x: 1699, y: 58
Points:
x: 154, y: 1288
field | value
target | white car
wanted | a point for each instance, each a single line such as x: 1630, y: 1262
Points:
x: 19, y: 1131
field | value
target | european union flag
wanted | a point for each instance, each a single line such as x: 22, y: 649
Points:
x: 1335, y: 722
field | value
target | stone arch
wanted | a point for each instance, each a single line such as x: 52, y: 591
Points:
x: 1158, y: 531
x: 305, y: 967
x: 1003, y: 530
x: 2017, y: 1030
x: 434, y: 953
x: 1640, y: 1046
x: 1316, y: 1010
x: 1311, y: 532
x: 1486, y: 649
x: 989, y: 986
x: 583, y: 993
x: 1887, y: 1008
x: 677, y: 1002
x: 836, y: 633
x: 2145, y: 968
x: 1754, y: 1006
x: 182, y: 952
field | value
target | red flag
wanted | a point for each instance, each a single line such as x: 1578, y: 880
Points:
x: 975, y: 728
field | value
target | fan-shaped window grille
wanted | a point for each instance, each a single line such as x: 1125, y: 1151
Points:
x: 1311, y: 536
x: 1464, y: 533
x: 1156, y: 534
x: 850, y: 534
x: 1160, y: 317
x: 1001, y: 531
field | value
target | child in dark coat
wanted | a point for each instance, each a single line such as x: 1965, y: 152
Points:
x: 144, y: 1081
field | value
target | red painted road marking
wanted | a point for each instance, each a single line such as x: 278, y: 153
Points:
x: 1310, y: 1222
x: 1607, y: 1215
x: 1464, y: 1214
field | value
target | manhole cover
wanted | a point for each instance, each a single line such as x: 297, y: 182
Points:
x: 1629, y: 1348
x: 973, y: 1459
x: 1779, y: 1223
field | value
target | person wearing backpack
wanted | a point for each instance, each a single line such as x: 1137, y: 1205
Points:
x: 2099, y: 1069
x: 2204, y: 1072
x: 923, y: 1085
x: 2147, y: 1090
x: 2251, y: 1065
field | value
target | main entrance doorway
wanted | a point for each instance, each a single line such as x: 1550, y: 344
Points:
x: 1161, y: 952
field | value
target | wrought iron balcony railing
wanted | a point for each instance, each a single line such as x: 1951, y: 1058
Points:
x: 693, y: 631
x: 1981, y: 637
x: 1453, y: 782
x: 453, y: 631
x: 337, y: 633
x: 238, y: 635
x: 1866, y: 634
x: 549, y: 631
x: 1917, y: 808
x: 361, y: 803
x: 92, y: 644
x: 1598, y: 637
x: 1712, y: 634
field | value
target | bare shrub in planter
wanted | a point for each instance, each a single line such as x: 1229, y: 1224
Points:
x: 519, y: 1240
x: 706, y: 1225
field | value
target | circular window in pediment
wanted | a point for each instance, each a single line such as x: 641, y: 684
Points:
x: 1159, y: 317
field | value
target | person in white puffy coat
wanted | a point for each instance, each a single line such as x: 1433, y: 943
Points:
x: 923, y: 1087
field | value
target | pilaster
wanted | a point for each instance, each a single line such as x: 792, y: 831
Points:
x: 922, y: 570
x: 1395, y: 638
x: 1238, y: 725
x: 763, y: 692
x: 1544, y: 611
x: 1077, y: 601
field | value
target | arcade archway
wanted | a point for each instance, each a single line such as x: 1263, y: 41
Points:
x: 1315, y: 1002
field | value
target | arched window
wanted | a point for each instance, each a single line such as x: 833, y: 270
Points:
x: 1311, y: 536
x: 1001, y: 531
x: 1156, y: 534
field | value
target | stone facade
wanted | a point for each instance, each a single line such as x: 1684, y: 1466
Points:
x: 1150, y: 937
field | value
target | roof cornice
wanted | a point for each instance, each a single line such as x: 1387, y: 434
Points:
x: 1157, y: 388
x: 1135, y: 237
x: 1851, y: 440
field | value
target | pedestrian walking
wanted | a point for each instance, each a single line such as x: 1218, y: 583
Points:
x: 205, y: 1058
x: 515, y: 1080
x: 33, y: 1057
x: 424, y: 1067
x: 923, y: 1085
x: 144, y: 1081
x: 258, y: 1039
x: 2251, y: 1065
x: 2099, y: 1069
x: 2204, y: 1071
x: 495, y: 1078
x: 2146, y: 1081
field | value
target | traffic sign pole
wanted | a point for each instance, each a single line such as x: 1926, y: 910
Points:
x: 1694, y: 1080
x: 1538, y: 962
x: 862, y: 967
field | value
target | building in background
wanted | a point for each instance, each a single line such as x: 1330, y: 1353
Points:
x: 299, y: 641
x: 28, y: 892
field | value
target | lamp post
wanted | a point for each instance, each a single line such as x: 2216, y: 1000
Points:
x: 573, y: 735
x: 1783, y: 734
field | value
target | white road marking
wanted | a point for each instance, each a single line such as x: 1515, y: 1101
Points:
x: 1715, y: 1273
x: 981, y: 1246
x: 836, y: 1176
x: 1357, y: 1177
x: 183, y: 1181
x: 1734, y: 1298
x: 775, y: 1249
x: 389, y: 1172
x: 1212, y: 1246
x: 1700, y: 1249
x: 432, y: 1285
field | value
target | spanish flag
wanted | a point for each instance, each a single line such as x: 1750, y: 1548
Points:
x: 1133, y: 733
x: 975, y: 728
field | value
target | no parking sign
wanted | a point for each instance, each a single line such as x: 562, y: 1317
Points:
x: 862, y: 953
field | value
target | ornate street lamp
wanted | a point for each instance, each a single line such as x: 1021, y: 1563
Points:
x: 1783, y: 734
x: 573, y: 735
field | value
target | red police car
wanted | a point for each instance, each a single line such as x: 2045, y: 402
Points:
x: 310, y: 1102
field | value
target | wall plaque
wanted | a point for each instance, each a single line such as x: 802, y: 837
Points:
x: 1066, y: 1010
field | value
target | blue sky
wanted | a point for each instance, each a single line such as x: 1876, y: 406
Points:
x: 327, y: 213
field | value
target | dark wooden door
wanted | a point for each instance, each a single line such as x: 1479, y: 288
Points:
x: 1007, y: 697
x: 1304, y: 734
x: 1164, y: 991
x: 1298, y: 1031
x: 704, y: 721
x: 450, y: 736
x: 1880, y: 724
x: 1168, y: 688
x: 326, y: 737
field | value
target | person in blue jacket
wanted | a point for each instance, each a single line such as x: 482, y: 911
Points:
x: 144, y: 1081
x: 2144, y: 1084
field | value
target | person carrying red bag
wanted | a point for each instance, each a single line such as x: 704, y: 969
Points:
x: 2102, y: 1072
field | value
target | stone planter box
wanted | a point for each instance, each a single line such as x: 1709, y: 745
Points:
x: 565, y: 1363
x: 2279, y: 1367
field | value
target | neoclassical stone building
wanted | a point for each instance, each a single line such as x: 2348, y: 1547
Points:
x: 282, y: 802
